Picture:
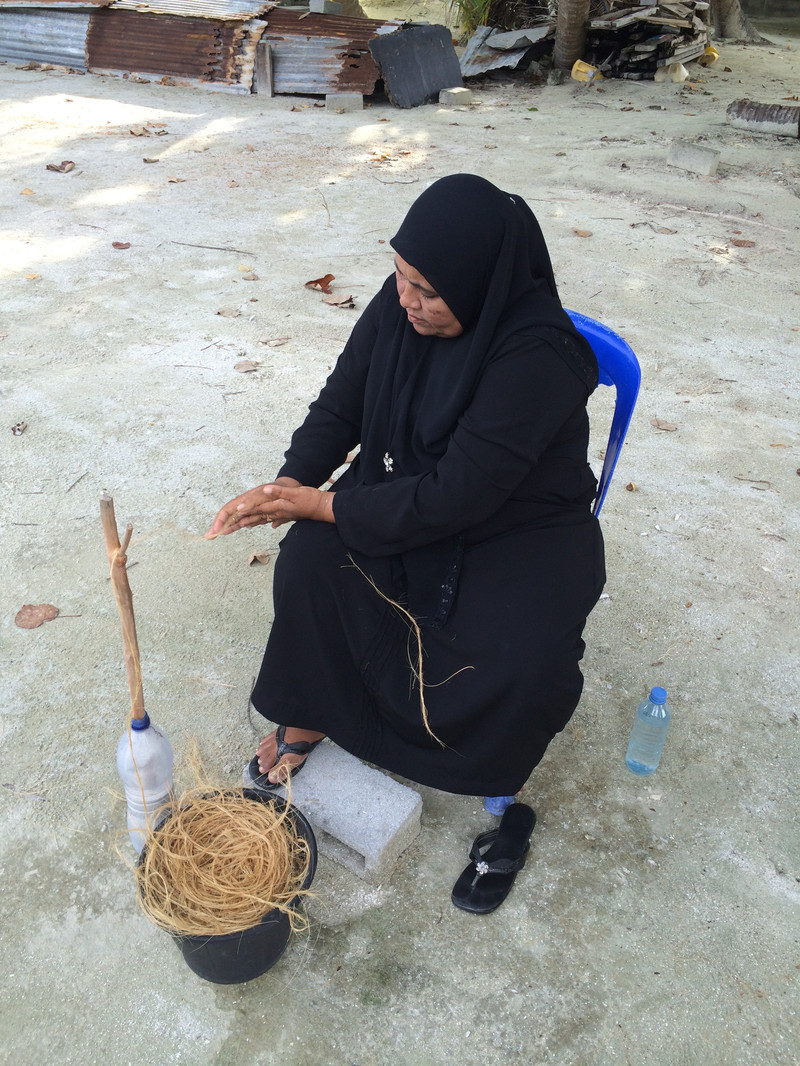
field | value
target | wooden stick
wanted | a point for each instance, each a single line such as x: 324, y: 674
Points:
x: 122, y: 590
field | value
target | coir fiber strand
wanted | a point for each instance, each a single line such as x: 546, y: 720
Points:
x: 220, y: 862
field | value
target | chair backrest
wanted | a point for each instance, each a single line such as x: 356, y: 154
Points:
x: 619, y: 367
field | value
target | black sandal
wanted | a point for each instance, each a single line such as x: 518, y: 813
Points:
x: 487, y: 880
x: 300, y: 747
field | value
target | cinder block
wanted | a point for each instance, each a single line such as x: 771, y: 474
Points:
x: 325, y: 7
x: 361, y: 818
x: 693, y: 157
x: 341, y: 102
x: 456, y: 97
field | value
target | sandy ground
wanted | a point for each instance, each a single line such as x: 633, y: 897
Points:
x: 656, y: 922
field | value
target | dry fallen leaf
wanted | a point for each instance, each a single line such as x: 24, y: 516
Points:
x: 61, y: 168
x: 175, y: 181
x: 18, y: 428
x: 31, y: 277
x: 233, y: 184
x: 150, y: 159
x: 737, y: 243
x: 273, y: 342
x: 582, y: 232
x: 250, y: 277
x: 27, y: 192
x: 340, y: 301
x: 665, y: 229
x: 322, y: 284
x: 245, y: 366
x: 258, y: 557
x: 140, y: 131
x: 660, y: 424
x: 122, y: 245
x: 30, y: 616
x: 229, y: 312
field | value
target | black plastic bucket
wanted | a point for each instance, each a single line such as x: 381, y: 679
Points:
x: 231, y: 958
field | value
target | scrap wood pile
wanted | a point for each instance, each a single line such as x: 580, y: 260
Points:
x: 635, y: 41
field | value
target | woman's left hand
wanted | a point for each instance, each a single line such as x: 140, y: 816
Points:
x: 288, y: 503
x: 275, y: 504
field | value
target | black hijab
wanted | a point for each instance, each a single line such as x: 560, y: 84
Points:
x: 483, y: 252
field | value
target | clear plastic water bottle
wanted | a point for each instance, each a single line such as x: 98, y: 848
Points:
x: 649, y: 733
x: 144, y: 762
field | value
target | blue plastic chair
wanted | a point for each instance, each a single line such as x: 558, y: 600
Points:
x: 618, y: 366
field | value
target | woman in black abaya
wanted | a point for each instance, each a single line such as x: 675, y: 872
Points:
x: 468, y: 506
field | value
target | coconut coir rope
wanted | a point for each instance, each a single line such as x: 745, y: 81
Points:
x: 220, y: 862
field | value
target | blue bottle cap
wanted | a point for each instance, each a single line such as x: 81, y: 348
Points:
x: 658, y: 695
x: 143, y: 723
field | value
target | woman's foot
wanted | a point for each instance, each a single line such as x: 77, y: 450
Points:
x: 283, y: 752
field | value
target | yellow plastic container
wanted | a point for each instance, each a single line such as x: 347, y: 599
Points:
x: 585, y: 72
x: 711, y: 55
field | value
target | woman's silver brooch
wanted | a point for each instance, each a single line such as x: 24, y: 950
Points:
x: 388, y: 462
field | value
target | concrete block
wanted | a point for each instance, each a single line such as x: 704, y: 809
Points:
x: 341, y: 102
x: 361, y: 818
x: 693, y: 157
x: 325, y: 7
x: 456, y: 97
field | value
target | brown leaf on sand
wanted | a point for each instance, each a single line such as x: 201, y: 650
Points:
x: 30, y: 616
x: 661, y: 424
x: 61, y: 168
x: 250, y: 276
x: 121, y: 245
x: 229, y: 312
x: 140, y: 131
x: 322, y: 284
x: 175, y: 181
x: 273, y: 342
x: 737, y: 243
x: 258, y: 557
x: 582, y: 232
x: 340, y: 301
x: 245, y: 366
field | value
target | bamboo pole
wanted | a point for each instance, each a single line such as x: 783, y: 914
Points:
x: 117, y: 559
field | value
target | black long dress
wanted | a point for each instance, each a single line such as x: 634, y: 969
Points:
x: 468, y: 504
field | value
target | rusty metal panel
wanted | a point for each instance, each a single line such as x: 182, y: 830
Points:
x: 240, y: 10
x: 51, y: 36
x: 190, y: 50
x: 319, y: 54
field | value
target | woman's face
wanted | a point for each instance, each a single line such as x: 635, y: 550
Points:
x: 427, y: 312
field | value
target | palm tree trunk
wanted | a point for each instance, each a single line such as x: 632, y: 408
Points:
x: 731, y: 22
x: 570, y: 32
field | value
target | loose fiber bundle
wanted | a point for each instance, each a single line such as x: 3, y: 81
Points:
x: 220, y: 862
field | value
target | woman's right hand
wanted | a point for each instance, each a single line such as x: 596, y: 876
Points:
x: 249, y: 509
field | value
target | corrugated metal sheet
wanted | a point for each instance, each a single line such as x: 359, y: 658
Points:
x: 44, y: 36
x: 479, y: 57
x: 319, y: 54
x: 186, y: 49
x: 87, y: 4
x: 208, y: 9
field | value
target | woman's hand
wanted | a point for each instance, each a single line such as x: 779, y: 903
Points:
x: 283, y: 500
